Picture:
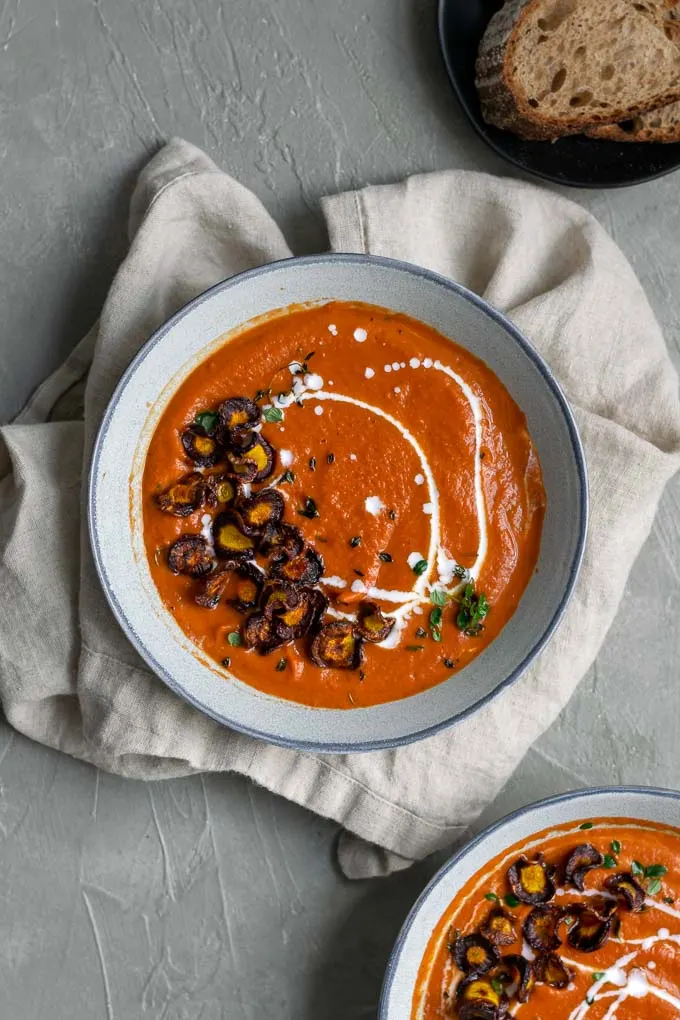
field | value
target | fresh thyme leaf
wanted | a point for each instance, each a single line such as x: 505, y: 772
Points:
x: 491, y: 896
x: 586, y: 825
x: 436, y: 634
x: 281, y: 665
x: 385, y: 557
x: 312, y: 463
x: 609, y: 861
x: 310, y: 509
x: 272, y: 414
x: 330, y: 458
x: 474, y: 609
x: 615, y: 846
x: 354, y: 542
x: 438, y: 597
x: 207, y: 420
x: 415, y: 648
x: 461, y: 572
x: 511, y: 900
x: 234, y: 639
x: 421, y: 632
x: 287, y: 476
x: 654, y: 886
x: 637, y: 869
x: 420, y: 567
x: 656, y: 871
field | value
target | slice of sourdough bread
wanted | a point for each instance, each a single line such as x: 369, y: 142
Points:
x: 548, y: 68
x: 663, y: 124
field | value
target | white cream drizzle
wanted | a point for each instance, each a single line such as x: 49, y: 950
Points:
x: 373, y: 505
x: 286, y: 457
x: 334, y: 581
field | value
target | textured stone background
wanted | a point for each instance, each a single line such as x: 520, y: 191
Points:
x: 207, y: 898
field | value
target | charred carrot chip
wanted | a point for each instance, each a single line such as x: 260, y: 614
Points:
x: 278, y: 597
x: 255, y: 462
x: 551, y: 970
x: 222, y: 489
x: 184, y: 496
x: 307, y: 568
x: 498, y: 928
x: 532, y: 881
x: 191, y: 555
x: 540, y: 928
x: 239, y: 584
x: 261, y: 511
x: 296, y: 622
x: 336, y: 645
x: 282, y: 542
x: 199, y: 447
x: 239, y: 414
x: 258, y: 632
x: 582, y: 860
x: 480, y: 1011
x: 474, y: 954
x: 479, y: 989
x: 371, y: 624
x: 627, y: 889
x: 516, y: 974
x: 588, y: 929
x: 230, y: 540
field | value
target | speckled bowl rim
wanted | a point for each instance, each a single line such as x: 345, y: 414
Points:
x: 537, y: 809
x: 330, y: 747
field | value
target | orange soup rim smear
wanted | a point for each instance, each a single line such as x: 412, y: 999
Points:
x: 342, y: 507
x: 579, y: 922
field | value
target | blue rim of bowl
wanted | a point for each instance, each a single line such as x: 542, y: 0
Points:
x: 560, y: 798
x: 499, y: 150
x: 482, y: 306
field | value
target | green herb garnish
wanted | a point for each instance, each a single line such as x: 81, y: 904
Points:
x: 654, y: 886
x: 637, y: 869
x: 598, y: 975
x: 615, y: 846
x: 668, y: 899
x: 281, y: 665
x: 420, y: 567
x: 207, y: 420
x: 586, y: 825
x: 656, y: 871
x: 272, y: 414
x: 354, y: 542
x: 421, y: 632
x: 287, y: 476
x: 438, y: 597
x: 234, y: 639
x: 310, y: 509
x: 436, y: 617
x: 473, y: 611
x: 511, y: 900
x: 491, y: 896
x: 415, y: 648
x: 462, y: 572
x: 609, y: 861
x: 497, y: 986
x: 385, y: 557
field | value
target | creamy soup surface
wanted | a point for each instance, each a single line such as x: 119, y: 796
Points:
x: 341, y: 506
x: 580, y: 922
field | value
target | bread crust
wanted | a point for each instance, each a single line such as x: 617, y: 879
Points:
x: 504, y: 107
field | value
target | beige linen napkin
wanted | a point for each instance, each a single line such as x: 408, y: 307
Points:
x: 69, y: 678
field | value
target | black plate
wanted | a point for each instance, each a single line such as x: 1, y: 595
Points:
x: 576, y: 161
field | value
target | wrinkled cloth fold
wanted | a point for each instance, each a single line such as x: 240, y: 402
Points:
x: 68, y: 676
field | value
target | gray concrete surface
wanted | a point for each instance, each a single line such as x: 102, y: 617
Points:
x: 208, y: 899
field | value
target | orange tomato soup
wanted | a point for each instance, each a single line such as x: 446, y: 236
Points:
x: 610, y: 949
x: 409, y: 473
